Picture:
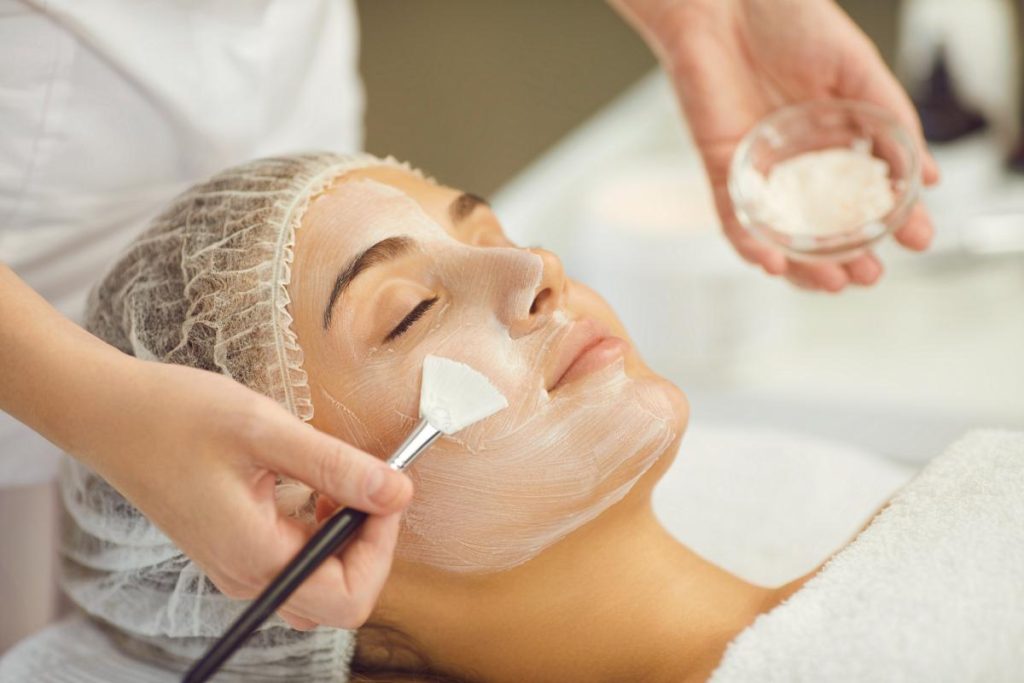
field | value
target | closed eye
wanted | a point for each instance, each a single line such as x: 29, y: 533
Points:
x: 407, y: 322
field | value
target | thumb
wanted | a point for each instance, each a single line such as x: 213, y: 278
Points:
x: 874, y: 82
x: 348, y: 475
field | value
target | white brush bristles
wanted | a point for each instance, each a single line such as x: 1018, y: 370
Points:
x: 454, y: 395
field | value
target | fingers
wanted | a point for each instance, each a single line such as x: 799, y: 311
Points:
x: 325, y: 507
x: 367, y: 561
x: 865, y: 270
x: 296, y: 622
x: 870, y: 79
x: 826, y: 275
x: 930, y: 172
x: 831, y: 277
x: 885, y: 91
x: 773, y: 261
x: 348, y: 475
x: 343, y: 591
x: 917, y: 232
x: 746, y: 245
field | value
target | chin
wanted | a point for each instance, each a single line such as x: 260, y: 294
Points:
x: 679, y: 417
x: 680, y: 403
x: 676, y: 411
x: 636, y: 369
x: 679, y: 413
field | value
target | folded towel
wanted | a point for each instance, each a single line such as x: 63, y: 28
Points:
x: 932, y: 590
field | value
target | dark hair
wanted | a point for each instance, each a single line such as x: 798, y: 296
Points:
x: 386, y: 654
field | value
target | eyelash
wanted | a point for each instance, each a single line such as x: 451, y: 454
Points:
x: 414, y: 315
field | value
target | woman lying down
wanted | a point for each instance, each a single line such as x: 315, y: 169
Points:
x: 531, y: 552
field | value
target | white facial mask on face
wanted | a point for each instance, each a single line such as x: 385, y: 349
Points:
x: 498, y: 493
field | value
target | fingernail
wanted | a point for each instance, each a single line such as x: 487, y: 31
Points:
x: 382, y: 486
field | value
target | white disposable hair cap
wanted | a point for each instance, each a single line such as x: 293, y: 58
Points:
x: 204, y: 286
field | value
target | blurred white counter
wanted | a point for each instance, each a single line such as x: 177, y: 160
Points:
x: 901, y: 368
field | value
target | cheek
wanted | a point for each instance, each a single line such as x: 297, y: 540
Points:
x: 495, y: 499
x: 374, y: 401
x: 332, y: 414
x: 363, y: 407
x: 513, y: 367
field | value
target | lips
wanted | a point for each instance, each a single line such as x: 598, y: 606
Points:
x: 588, y: 347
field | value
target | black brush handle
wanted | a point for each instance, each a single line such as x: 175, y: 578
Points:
x: 334, y: 534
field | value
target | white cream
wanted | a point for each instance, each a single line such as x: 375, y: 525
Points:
x: 824, y: 192
x: 499, y: 492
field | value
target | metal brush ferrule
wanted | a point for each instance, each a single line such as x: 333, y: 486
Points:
x: 417, y: 442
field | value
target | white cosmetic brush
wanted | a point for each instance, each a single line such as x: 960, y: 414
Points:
x: 452, y: 397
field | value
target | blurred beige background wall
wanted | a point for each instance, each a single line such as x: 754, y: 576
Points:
x: 473, y: 90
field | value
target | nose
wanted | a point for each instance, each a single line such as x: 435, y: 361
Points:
x: 548, y: 297
x: 551, y: 289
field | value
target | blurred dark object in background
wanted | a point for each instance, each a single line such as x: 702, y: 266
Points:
x: 961, y: 64
x: 1015, y: 161
x: 943, y: 116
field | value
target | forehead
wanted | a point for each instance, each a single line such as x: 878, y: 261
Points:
x: 363, y: 207
x: 358, y: 210
x: 433, y: 199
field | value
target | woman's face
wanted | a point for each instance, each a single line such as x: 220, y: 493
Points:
x: 390, y: 268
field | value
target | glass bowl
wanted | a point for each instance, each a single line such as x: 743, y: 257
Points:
x: 817, y: 125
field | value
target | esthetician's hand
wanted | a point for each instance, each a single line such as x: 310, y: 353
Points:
x: 734, y: 61
x: 198, y: 453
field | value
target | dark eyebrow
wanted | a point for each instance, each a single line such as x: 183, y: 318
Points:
x: 463, y: 205
x: 382, y: 251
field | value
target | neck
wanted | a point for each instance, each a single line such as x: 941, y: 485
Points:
x: 619, y: 599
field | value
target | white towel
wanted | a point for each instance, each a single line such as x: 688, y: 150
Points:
x: 932, y: 590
